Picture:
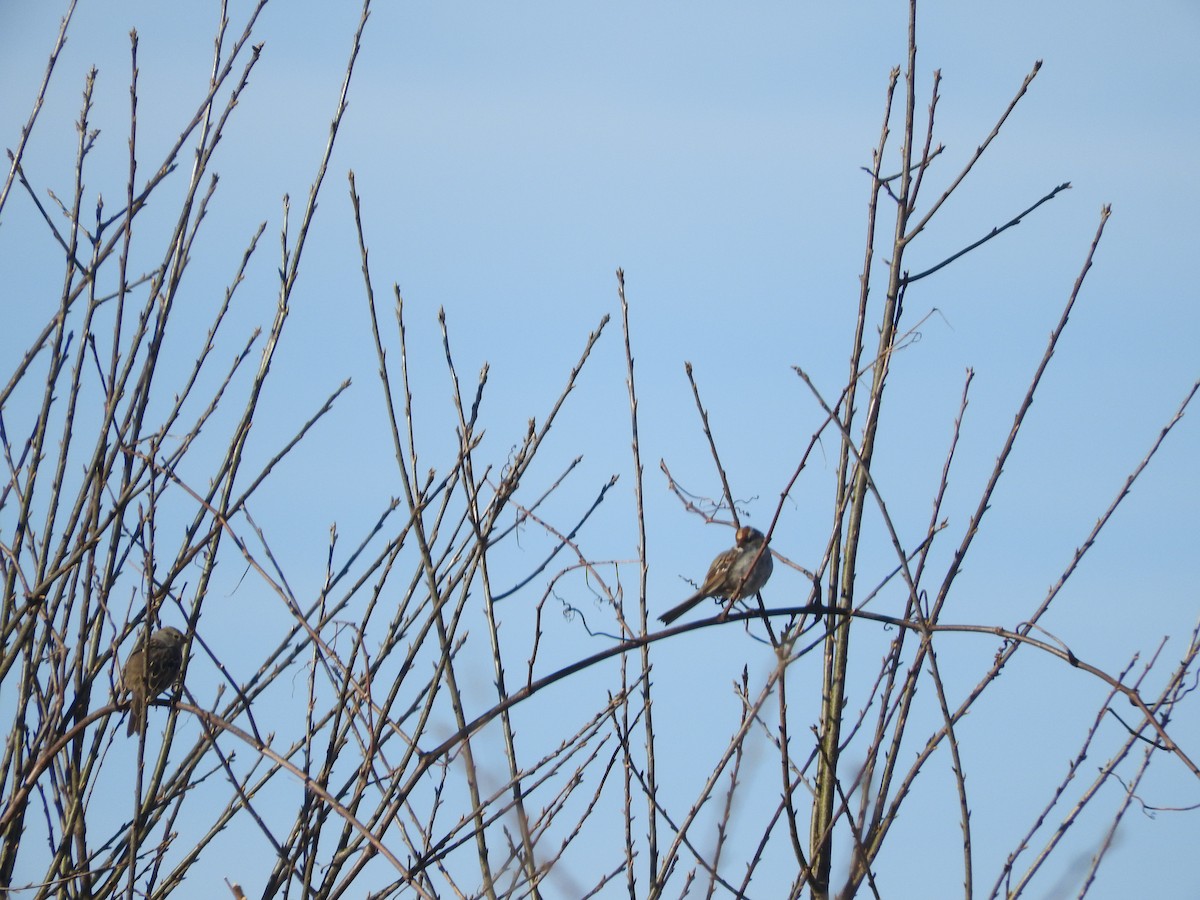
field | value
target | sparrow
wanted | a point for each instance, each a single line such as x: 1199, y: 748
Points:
x: 730, y: 577
x: 146, y: 680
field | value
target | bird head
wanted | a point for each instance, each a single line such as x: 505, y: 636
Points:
x: 746, y: 534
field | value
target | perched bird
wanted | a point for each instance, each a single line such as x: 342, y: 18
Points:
x: 148, y: 673
x: 730, y: 577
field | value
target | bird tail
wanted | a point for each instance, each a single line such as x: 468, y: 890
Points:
x: 137, y: 717
x: 676, y: 611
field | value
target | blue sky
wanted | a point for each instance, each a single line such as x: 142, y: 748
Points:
x: 510, y: 158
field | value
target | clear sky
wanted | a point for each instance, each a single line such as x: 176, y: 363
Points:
x: 512, y: 156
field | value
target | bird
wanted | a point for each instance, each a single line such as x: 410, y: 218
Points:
x: 730, y: 577
x: 148, y: 674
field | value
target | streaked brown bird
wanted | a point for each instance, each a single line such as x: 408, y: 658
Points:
x: 731, y: 576
x: 148, y: 674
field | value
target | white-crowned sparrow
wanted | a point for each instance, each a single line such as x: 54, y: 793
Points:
x: 148, y: 674
x: 730, y: 577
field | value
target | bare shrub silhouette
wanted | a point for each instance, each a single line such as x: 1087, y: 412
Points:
x: 359, y: 753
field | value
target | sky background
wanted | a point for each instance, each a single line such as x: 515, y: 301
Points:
x: 512, y: 157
